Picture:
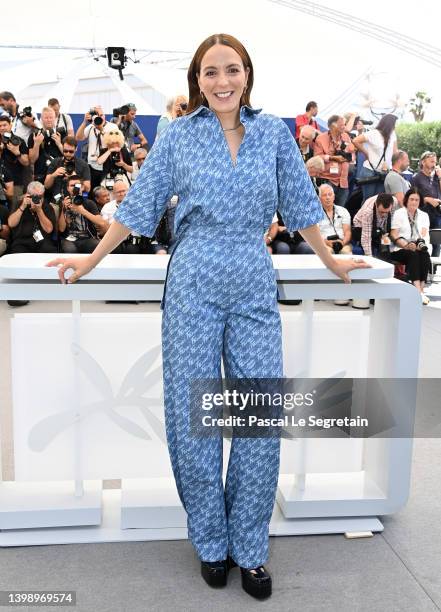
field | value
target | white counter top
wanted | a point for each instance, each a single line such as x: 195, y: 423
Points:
x: 31, y: 266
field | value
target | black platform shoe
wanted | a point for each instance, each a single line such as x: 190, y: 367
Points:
x: 215, y: 573
x: 256, y: 582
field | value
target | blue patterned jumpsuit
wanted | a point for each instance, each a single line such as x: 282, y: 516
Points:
x: 221, y: 302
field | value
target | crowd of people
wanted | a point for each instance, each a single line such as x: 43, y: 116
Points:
x: 59, y: 188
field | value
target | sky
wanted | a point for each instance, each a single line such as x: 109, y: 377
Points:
x: 296, y: 57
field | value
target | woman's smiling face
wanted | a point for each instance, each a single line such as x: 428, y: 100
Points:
x: 222, y: 78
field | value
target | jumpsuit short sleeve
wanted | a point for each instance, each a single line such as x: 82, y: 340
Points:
x: 297, y: 200
x: 146, y: 201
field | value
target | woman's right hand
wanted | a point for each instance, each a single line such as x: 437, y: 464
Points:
x: 79, y: 265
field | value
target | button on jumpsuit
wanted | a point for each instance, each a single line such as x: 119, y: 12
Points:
x: 220, y: 302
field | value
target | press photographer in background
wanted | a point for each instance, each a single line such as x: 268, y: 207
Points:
x: 13, y: 157
x: 410, y: 234
x: 6, y: 186
x: 335, y: 226
x: 63, y: 167
x: 92, y: 129
x: 134, y: 244
x: 44, y: 144
x: 428, y: 183
x: 32, y: 223
x: 23, y: 121
x: 115, y: 159
x: 79, y: 221
x: 375, y: 219
x: 139, y: 158
x: 175, y: 107
x: 378, y: 146
x: 336, y: 149
x: 124, y: 118
x: 63, y: 122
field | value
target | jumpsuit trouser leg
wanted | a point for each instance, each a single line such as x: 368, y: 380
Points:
x: 195, y: 336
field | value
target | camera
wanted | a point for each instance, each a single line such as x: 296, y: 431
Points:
x: 96, y: 119
x: 77, y: 198
x: 123, y: 110
x: 36, y: 199
x: 343, y: 152
x: 69, y: 166
x: 26, y: 112
x: 336, y: 246
x: 377, y: 234
x: 115, y: 156
x: 46, y: 133
x: 10, y: 137
x: 420, y: 245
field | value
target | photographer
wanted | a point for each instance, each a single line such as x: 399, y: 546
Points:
x: 378, y: 146
x: 5, y: 230
x: 44, y: 145
x: 124, y: 118
x: 92, y: 129
x: 63, y: 167
x: 101, y: 196
x: 79, y: 220
x: 305, y: 142
x: 410, y: 234
x: 335, y: 148
x: 134, y: 244
x: 14, y: 157
x: 22, y: 122
x: 6, y: 185
x: 175, y: 107
x: 375, y: 218
x: 63, y: 122
x: 139, y: 157
x: 428, y: 183
x: 32, y: 223
x: 335, y: 226
x: 115, y: 159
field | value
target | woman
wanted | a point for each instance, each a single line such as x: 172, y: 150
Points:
x: 231, y: 168
x: 377, y: 146
x: 115, y: 159
x: 410, y: 234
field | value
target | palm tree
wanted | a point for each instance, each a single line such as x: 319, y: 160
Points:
x: 418, y: 105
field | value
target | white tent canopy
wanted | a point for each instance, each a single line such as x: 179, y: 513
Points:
x: 296, y: 57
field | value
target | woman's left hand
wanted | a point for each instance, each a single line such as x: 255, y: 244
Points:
x: 341, y: 267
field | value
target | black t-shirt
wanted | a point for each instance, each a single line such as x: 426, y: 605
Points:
x: 29, y: 222
x: 78, y: 225
x: 429, y: 187
x: 11, y: 163
x: 48, y: 152
x: 82, y: 170
x: 109, y: 164
x: 4, y: 214
x: 5, y: 177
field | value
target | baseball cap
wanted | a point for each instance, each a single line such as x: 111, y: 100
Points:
x: 131, y: 106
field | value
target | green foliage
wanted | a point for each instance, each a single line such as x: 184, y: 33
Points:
x: 415, y: 138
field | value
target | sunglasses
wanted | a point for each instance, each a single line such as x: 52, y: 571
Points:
x: 68, y: 150
x: 113, y: 133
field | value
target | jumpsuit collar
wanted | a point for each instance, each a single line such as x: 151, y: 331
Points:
x: 245, y: 112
